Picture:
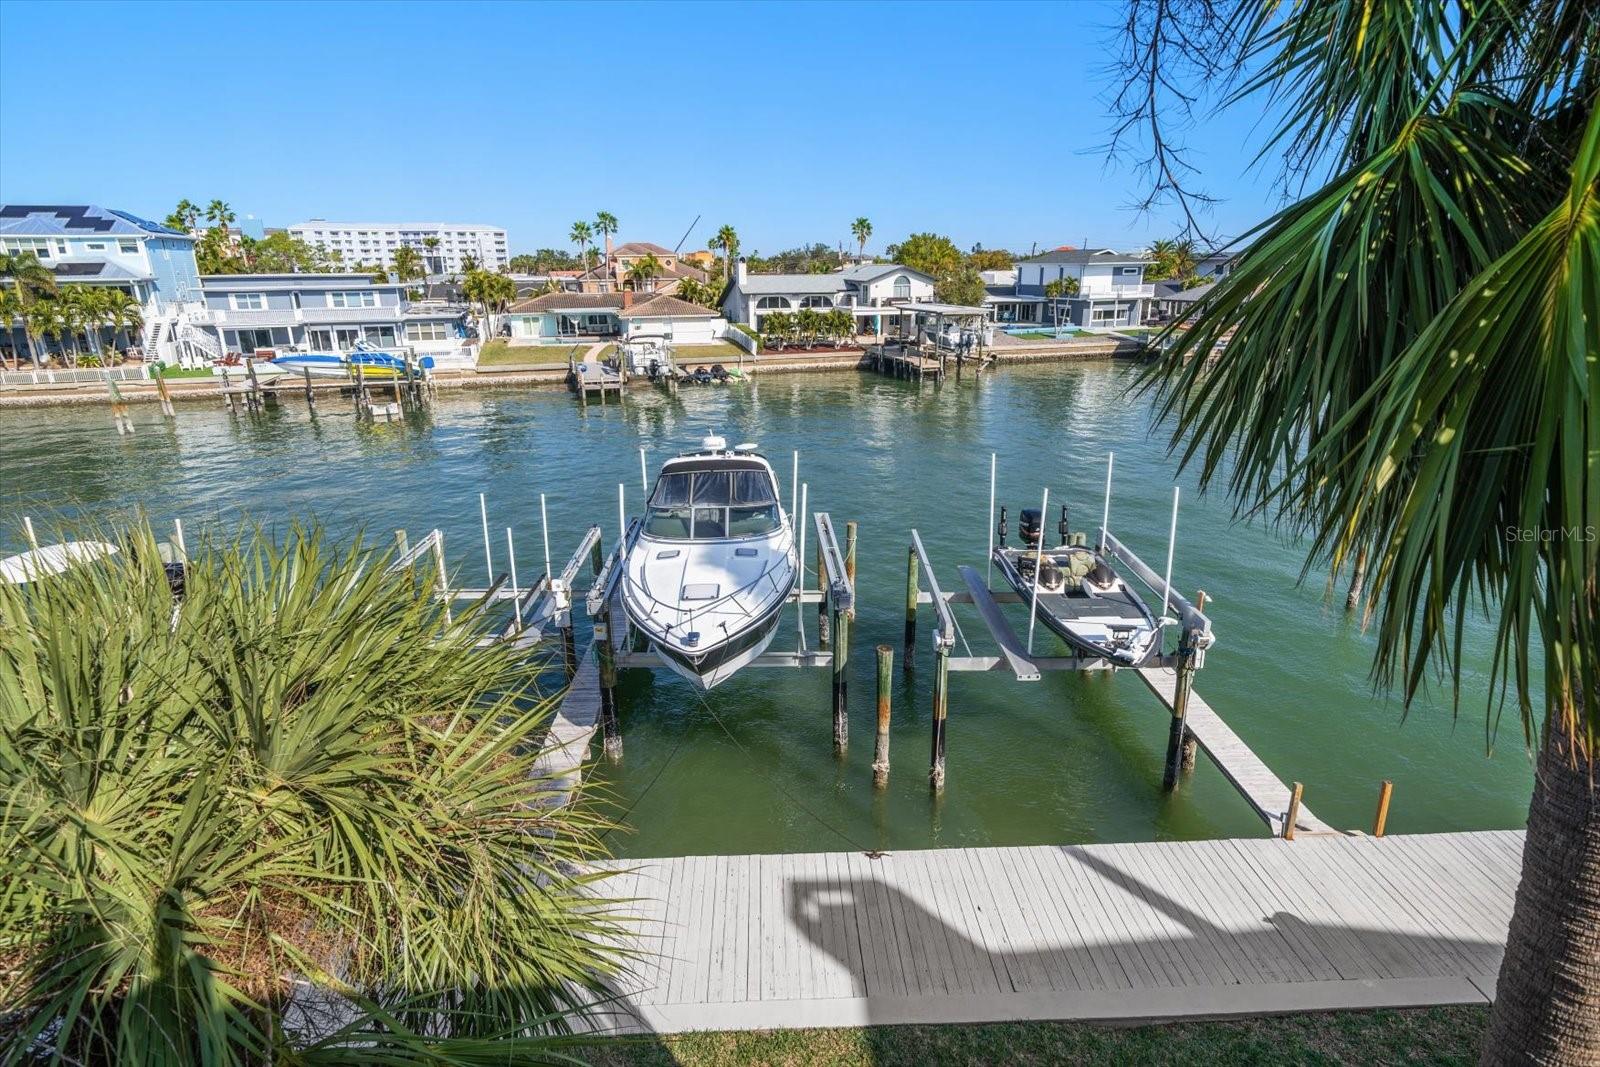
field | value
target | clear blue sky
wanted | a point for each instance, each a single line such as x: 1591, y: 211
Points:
x: 982, y: 122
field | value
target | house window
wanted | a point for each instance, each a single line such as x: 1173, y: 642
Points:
x: 247, y: 341
x: 768, y: 303
x: 357, y: 299
x: 380, y: 335
x: 322, y: 339
x: 1100, y: 316
x: 816, y: 302
x: 427, y: 331
x: 249, y: 302
x: 128, y: 248
x: 902, y: 288
x: 1127, y: 270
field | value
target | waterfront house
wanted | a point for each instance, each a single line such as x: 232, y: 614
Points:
x: 1112, y: 291
x: 610, y: 274
x: 89, y: 245
x: 573, y: 317
x: 246, y: 313
x: 864, y: 290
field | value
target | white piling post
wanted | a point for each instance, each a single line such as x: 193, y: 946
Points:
x: 644, y: 478
x: 794, y: 485
x: 1105, y: 516
x: 1172, y: 540
x: 800, y: 612
x: 488, y: 555
x: 622, y: 516
x: 988, y: 577
x: 544, y: 524
x: 27, y: 530
x: 1038, y: 562
x: 183, y: 549
x: 511, y: 554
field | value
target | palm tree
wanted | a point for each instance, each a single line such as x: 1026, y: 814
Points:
x: 1164, y: 252
x: 124, y: 315
x: 11, y: 308
x: 46, y: 318
x: 696, y: 292
x: 1410, y: 368
x: 407, y: 263
x: 86, y: 306
x: 861, y: 229
x: 185, y: 217
x: 806, y: 323
x: 581, y: 234
x: 727, y: 239
x: 30, y: 280
x: 644, y: 271
x: 1184, y: 258
x: 605, y: 224
x: 777, y: 325
x: 302, y: 768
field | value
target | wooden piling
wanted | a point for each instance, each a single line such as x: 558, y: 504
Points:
x: 255, y: 384
x: 841, y: 664
x: 824, y: 622
x: 164, y: 392
x: 311, y: 399
x: 880, y: 748
x: 227, y: 392
x: 611, y: 734
x: 941, y: 704
x: 569, y: 649
x: 1382, y: 819
x: 911, y: 609
x: 850, y: 553
x: 1293, y: 814
x: 362, y: 407
x: 597, y: 558
x: 119, y: 408
x: 1180, y: 742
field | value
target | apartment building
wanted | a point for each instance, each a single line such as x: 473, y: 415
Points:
x: 375, y: 243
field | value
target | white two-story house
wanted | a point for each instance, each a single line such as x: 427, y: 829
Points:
x: 865, y: 290
x: 1112, y: 291
x: 328, y: 313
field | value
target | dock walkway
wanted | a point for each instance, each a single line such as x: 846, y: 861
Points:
x: 1254, y: 780
x: 567, y: 749
x: 1125, y: 931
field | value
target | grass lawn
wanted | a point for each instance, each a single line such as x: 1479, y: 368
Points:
x: 1423, y: 1036
x: 1035, y: 336
x: 498, y: 353
x: 720, y: 352
x: 169, y: 373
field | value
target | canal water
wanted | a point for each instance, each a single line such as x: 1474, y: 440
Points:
x: 750, y: 767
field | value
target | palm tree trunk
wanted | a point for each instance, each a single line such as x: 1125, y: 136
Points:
x: 1547, y: 1002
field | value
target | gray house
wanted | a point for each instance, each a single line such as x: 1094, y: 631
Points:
x: 1112, y: 291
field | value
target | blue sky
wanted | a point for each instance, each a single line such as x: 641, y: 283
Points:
x: 983, y: 122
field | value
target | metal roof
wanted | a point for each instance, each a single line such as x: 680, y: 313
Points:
x: 871, y: 272
x: 942, y: 309
x: 1090, y: 255
x: 77, y: 220
x: 785, y: 284
x: 94, y: 270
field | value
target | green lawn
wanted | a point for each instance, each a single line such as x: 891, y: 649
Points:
x: 498, y: 353
x: 1438, y: 1036
x: 170, y: 373
x: 720, y: 352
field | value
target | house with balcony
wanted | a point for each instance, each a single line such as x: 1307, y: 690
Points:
x: 558, y: 318
x: 865, y: 290
x: 1111, y: 288
x: 88, y: 245
x: 249, y: 313
x: 610, y: 275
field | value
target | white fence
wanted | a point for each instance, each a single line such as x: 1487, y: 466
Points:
x: 50, y: 376
x: 742, y: 339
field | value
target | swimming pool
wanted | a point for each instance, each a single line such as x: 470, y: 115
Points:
x: 1018, y: 329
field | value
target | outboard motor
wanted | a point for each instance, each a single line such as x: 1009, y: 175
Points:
x: 175, y: 578
x: 1002, y: 527
x: 1029, y: 527
x: 1061, y: 527
x: 702, y: 376
x: 719, y: 372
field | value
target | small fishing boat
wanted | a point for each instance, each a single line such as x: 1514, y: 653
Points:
x: 712, y: 564
x: 1081, y: 598
x: 39, y: 563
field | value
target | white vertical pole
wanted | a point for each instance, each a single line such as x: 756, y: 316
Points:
x: 488, y: 556
x: 1172, y: 540
x: 622, y: 515
x: 27, y: 530
x: 794, y: 485
x: 1105, y: 516
x: 183, y: 548
x: 511, y: 553
x: 1038, y: 561
x: 544, y: 524
x: 644, y: 479
x: 988, y: 577
x: 800, y: 613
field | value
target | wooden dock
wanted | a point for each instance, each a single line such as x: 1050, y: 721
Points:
x: 1153, y: 930
x: 567, y: 748
x: 905, y: 361
x: 592, y: 376
x: 1266, y: 794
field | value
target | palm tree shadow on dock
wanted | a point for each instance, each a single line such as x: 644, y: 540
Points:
x: 1096, y: 941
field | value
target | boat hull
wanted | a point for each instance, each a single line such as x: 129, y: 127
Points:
x: 709, y: 669
x: 1090, y: 634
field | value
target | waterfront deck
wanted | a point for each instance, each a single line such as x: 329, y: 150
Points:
x: 1125, y: 931
x: 567, y: 749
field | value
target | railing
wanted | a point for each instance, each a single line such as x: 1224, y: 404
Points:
x: 1117, y: 292
x: 51, y: 376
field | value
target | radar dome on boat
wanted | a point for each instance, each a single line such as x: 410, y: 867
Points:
x: 748, y: 446
x: 714, y: 442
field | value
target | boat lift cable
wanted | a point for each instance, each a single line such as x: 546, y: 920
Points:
x: 620, y: 819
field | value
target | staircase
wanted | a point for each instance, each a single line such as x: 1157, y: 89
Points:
x: 202, y: 341
x: 153, y: 330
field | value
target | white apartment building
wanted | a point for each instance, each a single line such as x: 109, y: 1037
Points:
x: 375, y: 243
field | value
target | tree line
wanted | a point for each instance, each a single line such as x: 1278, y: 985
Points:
x: 86, y: 322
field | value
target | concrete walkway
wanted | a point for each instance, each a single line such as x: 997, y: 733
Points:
x: 1131, y: 931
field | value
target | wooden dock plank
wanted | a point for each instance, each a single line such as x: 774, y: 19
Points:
x: 1090, y: 931
x: 1268, y: 795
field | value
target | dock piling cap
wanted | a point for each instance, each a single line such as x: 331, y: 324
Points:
x: 714, y: 442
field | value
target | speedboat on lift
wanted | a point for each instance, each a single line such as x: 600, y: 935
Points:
x: 709, y: 569
x: 1081, y: 598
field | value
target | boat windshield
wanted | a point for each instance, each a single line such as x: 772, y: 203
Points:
x: 706, y: 504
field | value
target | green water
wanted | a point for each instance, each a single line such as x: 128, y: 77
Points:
x: 750, y: 767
